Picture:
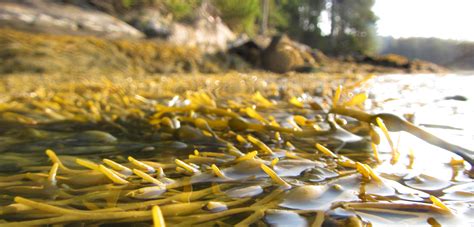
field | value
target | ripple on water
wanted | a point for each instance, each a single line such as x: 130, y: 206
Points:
x: 426, y: 182
x: 461, y: 192
x: 284, y: 218
x: 249, y: 191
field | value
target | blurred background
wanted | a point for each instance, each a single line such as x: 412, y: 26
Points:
x: 434, y: 31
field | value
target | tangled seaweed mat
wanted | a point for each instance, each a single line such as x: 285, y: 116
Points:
x: 233, y: 149
x: 23, y: 52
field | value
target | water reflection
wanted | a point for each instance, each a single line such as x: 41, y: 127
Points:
x: 429, y: 98
x: 316, y: 181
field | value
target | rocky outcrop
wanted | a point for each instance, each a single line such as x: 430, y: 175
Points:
x: 205, y: 31
x: 401, y: 62
x: 250, y: 51
x: 208, y: 34
x: 283, y: 55
x: 280, y: 56
x: 55, y: 18
x: 151, y: 22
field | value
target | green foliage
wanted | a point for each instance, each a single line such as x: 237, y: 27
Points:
x: 287, y: 13
x: 278, y: 18
x: 353, y: 26
x: 114, y: 7
x: 127, y: 3
x: 181, y: 9
x: 240, y: 15
x: 352, y: 21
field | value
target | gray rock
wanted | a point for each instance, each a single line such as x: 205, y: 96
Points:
x: 203, y: 30
x: 209, y: 34
x: 151, y: 22
x: 50, y: 17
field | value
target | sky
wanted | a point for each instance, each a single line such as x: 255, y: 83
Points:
x: 446, y: 19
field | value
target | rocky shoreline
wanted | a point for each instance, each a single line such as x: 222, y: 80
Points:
x: 48, y: 36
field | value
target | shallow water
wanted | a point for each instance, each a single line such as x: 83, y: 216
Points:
x: 444, y: 106
x: 314, y: 181
x: 432, y: 101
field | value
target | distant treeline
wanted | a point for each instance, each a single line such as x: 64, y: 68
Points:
x: 450, y: 53
x: 352, y: 22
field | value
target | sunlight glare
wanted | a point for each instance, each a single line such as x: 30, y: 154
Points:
x: 446, y: 19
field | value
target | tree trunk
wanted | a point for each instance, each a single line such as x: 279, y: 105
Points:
x: 265, y: 12
x: 335, y: 26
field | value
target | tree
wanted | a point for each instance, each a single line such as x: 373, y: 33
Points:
x: 240, y: 15
x: 264, y: 17
x: 302, y: 18
x: 352, y: 26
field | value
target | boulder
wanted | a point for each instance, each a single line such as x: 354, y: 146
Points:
x: 249, y: 50
x: 203, y: 30
x: 208, y: 34
x: 151, y: 22
x: 280, y: 56
x: 399, y: 62
x: 56, y: 18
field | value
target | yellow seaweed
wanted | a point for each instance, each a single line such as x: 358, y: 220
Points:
x: 117, y: 167
x: 337, y: 95
x: 248, y: 156
x: 148, y: 178
x: 141, y: 165
x: 88, y: 164
x: 158, y: 219
x: 111, y: 175
x: 437, y: 202
x: 52, y: 174
x: 186, y: 166
x: 274, y: 176
x: 325, y: 150
x: 263, y: 147
x: 217, y: 171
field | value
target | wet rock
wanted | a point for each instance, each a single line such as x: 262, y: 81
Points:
x: 388, y: 60
x: 396, y: 61
x: 280, y: 56
x: 49, y: 17
x: 250, y: 51
x: 456, y: 97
